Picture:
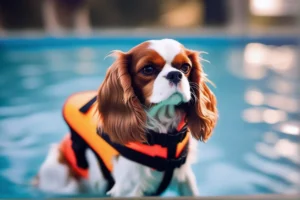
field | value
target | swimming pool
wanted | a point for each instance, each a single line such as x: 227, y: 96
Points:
x: 254, y: 149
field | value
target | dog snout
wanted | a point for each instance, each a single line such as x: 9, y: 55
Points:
x: 174, y: 77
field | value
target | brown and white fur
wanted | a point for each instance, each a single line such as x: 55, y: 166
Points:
x: 136, y: 81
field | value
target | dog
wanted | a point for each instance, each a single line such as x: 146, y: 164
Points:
x: 147, y: 93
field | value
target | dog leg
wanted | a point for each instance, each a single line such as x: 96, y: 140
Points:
x: 96, y: 182
x: 129, y: 177
x: 188, y: 186
x: 54, y: 176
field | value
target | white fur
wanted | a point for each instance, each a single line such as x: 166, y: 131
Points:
x: 162, y: 89
x: 141, y: 180
x: 54, y: 176
x: 166, y: 48
x: 96, y: 182
x: 133, y: 179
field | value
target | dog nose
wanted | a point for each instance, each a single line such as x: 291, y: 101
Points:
x: 174, y: 77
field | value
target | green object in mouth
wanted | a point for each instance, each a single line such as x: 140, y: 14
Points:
x: 174, y: 100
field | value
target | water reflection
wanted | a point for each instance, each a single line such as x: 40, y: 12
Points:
x: 279, y: 148
x: 266, y: 151
x: 282, y: 102
x: 31, y: 83
x: 85, y: 67
x: 270, y: 137
x: 286, y: 148
x: 291, y: 128
x: 285, y: 172
x: 259, y: 60
x: 272, y: 98
x: 258, y: 115
x: 258, y: 57
x: 274, y: 116
x: 283, y: 86
x: 282, y: 58
x: 86, y: 53
x: 256, y: 54
x: 252, y: 115
x: 254, y: 97
x: 30, y: 70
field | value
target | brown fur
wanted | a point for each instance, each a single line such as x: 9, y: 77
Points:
x: 143, y: 85
x: 62, y: 160
x: 121, y: 113
x: 123, y: 96
x: 203, y: 114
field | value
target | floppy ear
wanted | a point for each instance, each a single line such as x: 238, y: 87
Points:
x: 121, y: 114
x: 202, y: 110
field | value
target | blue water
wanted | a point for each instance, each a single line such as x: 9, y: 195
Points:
x: 254, y: 149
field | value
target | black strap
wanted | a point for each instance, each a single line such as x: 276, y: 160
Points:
x: 106, y: 173
x: 79, y: 147
x: 168, y: 173
x: 158, y: 163
x: 166, y: 140
x: 85, y: 108
x: 168, y: 165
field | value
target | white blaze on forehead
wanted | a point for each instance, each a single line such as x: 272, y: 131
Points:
x: 162, y: 90
x: 166, y: 48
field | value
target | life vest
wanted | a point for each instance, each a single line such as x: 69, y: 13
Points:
x: 162, y: 152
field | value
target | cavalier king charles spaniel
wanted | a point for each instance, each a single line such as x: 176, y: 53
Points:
x: 153, y: 87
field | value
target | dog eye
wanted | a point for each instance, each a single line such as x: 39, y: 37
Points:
x: 185, y: 68
x: 148, y: 70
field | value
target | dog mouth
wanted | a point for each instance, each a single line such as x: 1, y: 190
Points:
x: 169, y: 96
x: 175, y: 99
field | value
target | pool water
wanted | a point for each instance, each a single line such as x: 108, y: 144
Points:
x: 254, y: 148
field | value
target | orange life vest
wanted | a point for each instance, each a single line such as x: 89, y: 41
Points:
x: 79, y: 112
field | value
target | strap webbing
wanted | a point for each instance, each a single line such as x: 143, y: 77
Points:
x: 168, y: 173
x: 85, y: 108
x: 160, y: 164
x: 166, y: 140
x: 79, y: 147
x: 106, y: 173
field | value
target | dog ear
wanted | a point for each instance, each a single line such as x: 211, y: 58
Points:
x: 121, y: 114
x: 202, y: 111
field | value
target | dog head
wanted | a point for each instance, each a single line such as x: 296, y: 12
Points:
x: 148, y: 74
